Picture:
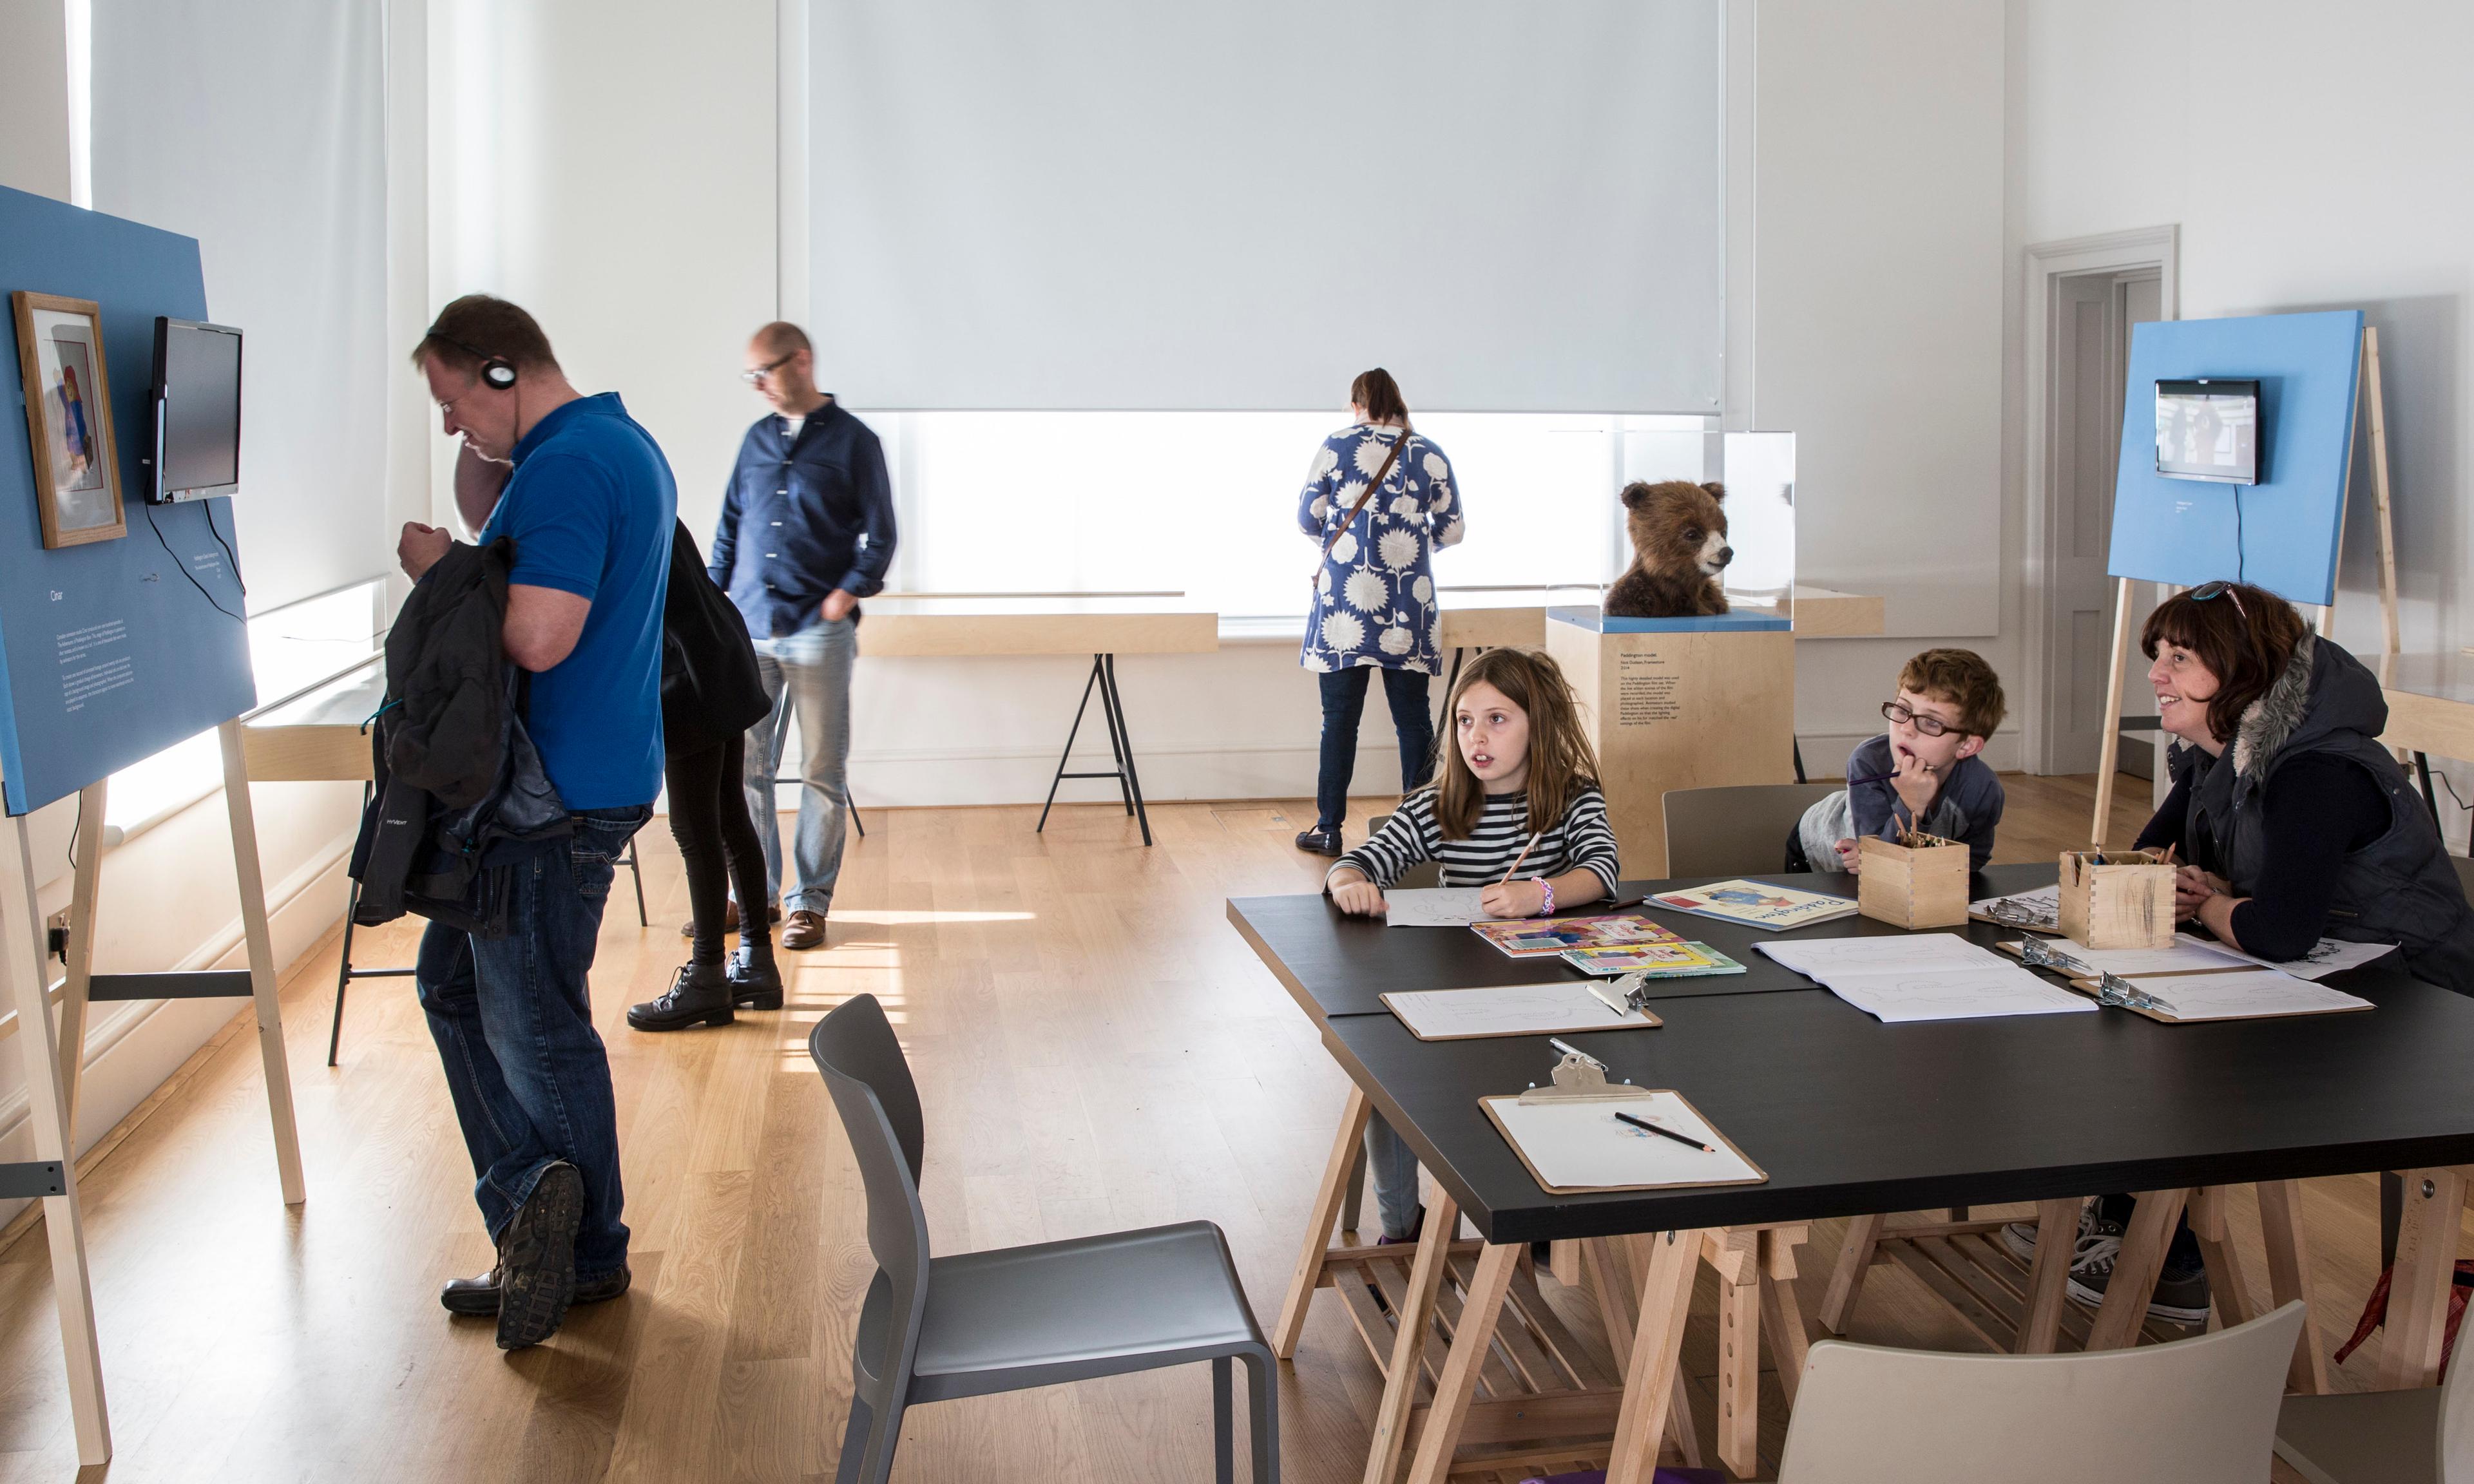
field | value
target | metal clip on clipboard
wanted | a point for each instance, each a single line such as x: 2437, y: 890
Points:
x: 2110, y: 989
x: 1626, y: 994
x: 1582, y: 1078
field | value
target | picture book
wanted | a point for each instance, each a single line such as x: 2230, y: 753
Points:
x: 1658, y: 960
x: 1757, y: 904
x: 1545, y: 937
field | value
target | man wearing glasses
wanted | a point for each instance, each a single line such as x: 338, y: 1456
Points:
x: 807, y: 531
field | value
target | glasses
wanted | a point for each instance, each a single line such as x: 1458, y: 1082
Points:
x: 2220, y: 589
x: 1930, y: 726
x: 764, y: 372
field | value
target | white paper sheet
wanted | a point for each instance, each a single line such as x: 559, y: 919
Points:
x: 2256, y: 992
x: 1508, y: 1009
x: 1928, y: 976
x: 2185, y: 955
x: 1435, y: 906
x: 1584, y: 1145
x: 2330, y: 957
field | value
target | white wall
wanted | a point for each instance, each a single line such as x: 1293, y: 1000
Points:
x: 2314, y: 159
x: 35, y: 98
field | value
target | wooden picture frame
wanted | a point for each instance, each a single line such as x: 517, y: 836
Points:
x: 68, y: 419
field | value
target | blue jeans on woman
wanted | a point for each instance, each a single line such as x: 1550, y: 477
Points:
x: 513, y: 1020
x: 1344, y: 701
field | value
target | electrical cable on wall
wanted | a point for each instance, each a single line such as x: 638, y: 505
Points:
x: 234, y: 556
x: 184, y: 567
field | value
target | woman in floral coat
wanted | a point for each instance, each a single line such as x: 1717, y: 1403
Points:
x: 1374, y: 604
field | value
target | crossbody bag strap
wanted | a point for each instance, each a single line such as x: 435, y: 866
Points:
x: 1382, y: 474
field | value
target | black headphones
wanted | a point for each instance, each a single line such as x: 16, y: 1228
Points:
x: 496, y: 371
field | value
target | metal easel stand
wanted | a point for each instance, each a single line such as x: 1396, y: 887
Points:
x: 1120, y: 746
x: 346, y: 974
x: 55, y: 1058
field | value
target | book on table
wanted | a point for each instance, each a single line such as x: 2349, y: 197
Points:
x: 1656, y: 960
x: 1759, y: 904
x: 1546, y: 936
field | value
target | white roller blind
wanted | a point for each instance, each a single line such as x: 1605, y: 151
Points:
x: 259, y: 129
x: 1124, y: 203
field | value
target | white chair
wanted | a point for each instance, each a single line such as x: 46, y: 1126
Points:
x: 2423, y: 1436
x: 2198, y: 1411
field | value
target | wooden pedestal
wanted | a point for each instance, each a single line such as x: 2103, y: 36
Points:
x: 1687, y: 704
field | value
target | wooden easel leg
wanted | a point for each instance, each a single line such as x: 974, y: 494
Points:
x: 2049, y: 1277
x: 1325, y: 1211
x: 1618, y: 1294
x: 1456, y: 1387
x: 21, y: 939
x: 260, y: 946
x: 2289, y: 1278
x: 85, y: 891
x: 1847, y: 1279
x: 1673, y: 1260
x: 2109, y: 745
x: 2380, y: 489
x: 2426, y: 1265
x: 1409, y: 1338
x: 2228, y: 1285
x: 1739, y: 1375
x: 2142, y: 1258
x: 1783, y: 1320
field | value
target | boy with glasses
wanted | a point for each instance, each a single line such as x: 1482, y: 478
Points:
x: 1922, y: 773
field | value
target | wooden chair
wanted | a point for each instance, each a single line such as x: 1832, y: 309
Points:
x: 2199, y: 1411
x: 1737, y: 830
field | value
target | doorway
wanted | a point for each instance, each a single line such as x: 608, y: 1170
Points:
x: 2085, y: 296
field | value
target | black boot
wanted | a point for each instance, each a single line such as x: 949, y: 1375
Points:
x: 755, y: 981
x: 700, y: 995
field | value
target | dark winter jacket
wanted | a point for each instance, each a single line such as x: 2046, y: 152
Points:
x: 710, y: 690
x: 2400, y: 888
x: 456, y: 776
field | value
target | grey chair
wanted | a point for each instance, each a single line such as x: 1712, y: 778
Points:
x: 972, y: 1324
x: 1739, y: 830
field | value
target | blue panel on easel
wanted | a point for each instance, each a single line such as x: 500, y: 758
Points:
x: 71, y: 711
x: 2281, y: 533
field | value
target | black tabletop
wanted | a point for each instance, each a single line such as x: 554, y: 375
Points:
x: 1336, y: 965
x: 1850, y: 1116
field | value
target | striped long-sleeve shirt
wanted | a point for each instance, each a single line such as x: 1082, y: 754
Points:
x: 1582, y: 840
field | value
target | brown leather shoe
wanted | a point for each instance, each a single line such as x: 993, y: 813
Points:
x: 730, y: 918
x: 805, y: 929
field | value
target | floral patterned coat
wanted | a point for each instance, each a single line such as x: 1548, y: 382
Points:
x: 1374, y: 598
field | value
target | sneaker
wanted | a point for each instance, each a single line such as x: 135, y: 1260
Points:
x: 1319, y: 842
x: 536, y: 1258
x: 2181, y: 1295
x: 2020, y: 1236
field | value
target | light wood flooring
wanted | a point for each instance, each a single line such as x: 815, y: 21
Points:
x: 1095, y: 1048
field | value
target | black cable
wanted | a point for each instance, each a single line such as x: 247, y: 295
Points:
x: 230, y: 555
x: 2452, y: 791
x: 149, y: 508
x: 2238, y: 538
x: 80, y: 824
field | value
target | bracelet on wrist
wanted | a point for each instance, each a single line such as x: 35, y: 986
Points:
x: 1545, y: 889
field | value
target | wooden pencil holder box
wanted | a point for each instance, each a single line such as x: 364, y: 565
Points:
x: 1912, y: 886
x: 2117, y: 899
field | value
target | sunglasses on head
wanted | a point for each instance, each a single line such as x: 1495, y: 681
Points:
x: 2220, y: 589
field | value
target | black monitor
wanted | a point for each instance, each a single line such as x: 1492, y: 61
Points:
x: 2208, y: 428
x: 195, y: 452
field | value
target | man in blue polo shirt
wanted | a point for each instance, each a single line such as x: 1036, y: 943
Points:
x: 589, y: 502
x: 806, y: 531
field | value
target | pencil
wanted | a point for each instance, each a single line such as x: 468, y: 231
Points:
x: 1681, y: 1138
x: 1523, y: 856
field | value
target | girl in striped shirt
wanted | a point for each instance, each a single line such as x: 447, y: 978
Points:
x: 1519, y: 784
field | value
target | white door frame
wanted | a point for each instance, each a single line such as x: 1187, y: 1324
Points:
x: 2111, y: 252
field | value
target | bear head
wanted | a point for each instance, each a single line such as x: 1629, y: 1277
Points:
x: 1678, y: 526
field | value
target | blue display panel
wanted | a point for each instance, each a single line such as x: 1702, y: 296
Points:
x: 108, y: 654
x: 2281, y: 533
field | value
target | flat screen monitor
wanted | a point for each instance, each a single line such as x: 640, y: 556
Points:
x: 2208, y: 429
x: 196, y: 449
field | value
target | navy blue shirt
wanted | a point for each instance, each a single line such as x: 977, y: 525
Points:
x: 803, y: 516
x: 590, y: 507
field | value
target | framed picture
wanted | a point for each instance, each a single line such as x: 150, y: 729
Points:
x: 68, y: 419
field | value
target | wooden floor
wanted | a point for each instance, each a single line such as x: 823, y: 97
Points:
x: 1095, y: 1049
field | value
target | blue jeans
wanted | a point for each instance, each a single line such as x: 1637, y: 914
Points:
x: 513, y: 1020
x: 1343, y: 700
x: 813, y: 668
x: 1393, y: 1171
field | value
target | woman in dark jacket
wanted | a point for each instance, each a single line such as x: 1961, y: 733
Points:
x: 710, y: 695
x: 2295, y: 823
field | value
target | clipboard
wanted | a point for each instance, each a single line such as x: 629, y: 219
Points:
x: 2125, y: 994
x: 1555, y: 1008
x: 1579, y: 1090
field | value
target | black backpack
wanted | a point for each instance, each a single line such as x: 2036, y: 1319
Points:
x: 710, y: 690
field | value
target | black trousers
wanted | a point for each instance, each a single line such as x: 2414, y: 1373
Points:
x: 717, y: 842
